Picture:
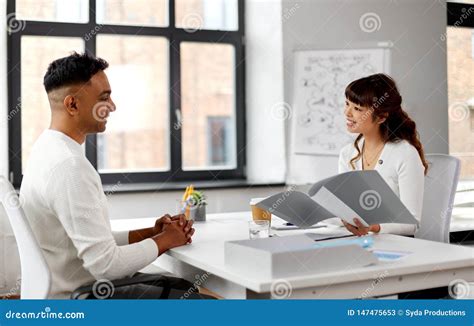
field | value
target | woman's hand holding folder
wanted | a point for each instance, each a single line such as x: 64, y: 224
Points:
x: 359, y: 229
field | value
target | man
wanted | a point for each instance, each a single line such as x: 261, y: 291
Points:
x: 64, y: 199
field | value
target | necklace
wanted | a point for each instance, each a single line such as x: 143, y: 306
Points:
x: 369, y: 163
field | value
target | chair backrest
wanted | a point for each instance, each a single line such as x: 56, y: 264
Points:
x: 440, y: 189
x: 35, y: 273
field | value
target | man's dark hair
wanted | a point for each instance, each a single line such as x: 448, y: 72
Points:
x: 74, y: 69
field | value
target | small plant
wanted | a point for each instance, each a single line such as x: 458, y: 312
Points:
x: 198, y: 198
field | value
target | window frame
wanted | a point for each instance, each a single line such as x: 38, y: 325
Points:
x: 455, y: 11
x: 174, y: 36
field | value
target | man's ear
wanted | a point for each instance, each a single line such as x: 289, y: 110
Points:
x: 70, y: 103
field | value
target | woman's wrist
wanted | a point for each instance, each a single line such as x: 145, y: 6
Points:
x: 375, y: 228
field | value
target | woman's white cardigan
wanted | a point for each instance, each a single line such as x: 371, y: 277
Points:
x: 400, y: 166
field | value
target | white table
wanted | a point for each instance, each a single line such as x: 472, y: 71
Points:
x: 429, y: 265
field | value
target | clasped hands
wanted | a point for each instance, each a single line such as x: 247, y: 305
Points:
x: 172, y: 231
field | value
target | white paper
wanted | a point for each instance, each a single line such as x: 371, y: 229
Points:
x: 333, y: 204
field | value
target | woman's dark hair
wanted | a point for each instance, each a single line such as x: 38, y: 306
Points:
x: 380, y: 94
x: 74, y: 69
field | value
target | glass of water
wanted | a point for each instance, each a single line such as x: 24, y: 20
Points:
x: 259, y: 229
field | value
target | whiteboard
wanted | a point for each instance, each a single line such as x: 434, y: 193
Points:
x: 320, y: 78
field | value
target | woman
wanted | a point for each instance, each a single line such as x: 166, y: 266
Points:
x: 388, y: 142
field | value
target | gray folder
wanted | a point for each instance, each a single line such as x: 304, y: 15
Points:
x: 362, y: 194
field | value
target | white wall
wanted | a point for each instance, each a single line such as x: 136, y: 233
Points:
x: 265, y: 105
x: 418, y: 59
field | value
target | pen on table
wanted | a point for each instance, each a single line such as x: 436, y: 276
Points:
x: 291, y: 224
x: 185, y: 194
x: 185, y: 198
x: 187, y: 210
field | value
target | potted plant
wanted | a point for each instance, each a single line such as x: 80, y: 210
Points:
x: 197, y: 205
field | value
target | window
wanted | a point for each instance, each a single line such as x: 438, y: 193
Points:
x: 206, y: 90
x: 176, y: 71
x: 460, y: 53
x: 194, y: 14
x: 72, y: 11
x: 133, y: 12
x: 137, y: 136
x: 34, y: 104
x: 219, y: 134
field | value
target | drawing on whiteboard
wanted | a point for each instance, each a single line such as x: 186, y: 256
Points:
x: 320, y: 80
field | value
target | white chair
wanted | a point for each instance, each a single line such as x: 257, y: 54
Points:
x: 35, y: 274
x: 440, y: 189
